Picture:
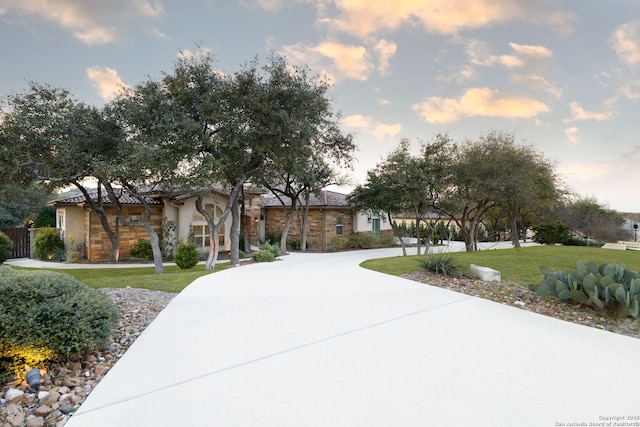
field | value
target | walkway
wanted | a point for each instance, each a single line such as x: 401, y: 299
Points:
x: 315, y: 340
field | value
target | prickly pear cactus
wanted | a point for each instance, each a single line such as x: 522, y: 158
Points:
x: 597, y: 285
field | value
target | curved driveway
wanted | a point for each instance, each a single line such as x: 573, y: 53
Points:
x: 315, y: 340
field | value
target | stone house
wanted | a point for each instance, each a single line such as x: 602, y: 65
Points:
x: 79, y: 224
x: 329, y: 217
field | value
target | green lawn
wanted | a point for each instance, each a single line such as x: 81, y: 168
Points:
x: 516, y: 265
x: 173, y: 280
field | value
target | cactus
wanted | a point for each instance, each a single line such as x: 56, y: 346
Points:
x: 594, y: 284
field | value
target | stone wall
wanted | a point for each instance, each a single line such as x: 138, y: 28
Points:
x: 97, y: 243
x: 321, y: 228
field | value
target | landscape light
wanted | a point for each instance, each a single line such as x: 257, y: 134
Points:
x: 34, y: 379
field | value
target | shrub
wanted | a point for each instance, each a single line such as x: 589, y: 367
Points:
x: 551, y: 233
x: 294, y: 244
x: 581, y: 241
x: 597, y: 285
x: 274, y: 249
x: 6, y: 247
x: 340, y: 242
x: 387, y: 239
x: 48, y: 244
x: 186, y: 255
x: 203, y: 253
x: 141, y: 249
x: 443, y: 264
x: 364, y: 241
x: 167, y: 237
x: 263, y: 255
x: 46, y: 217
x: 47, y: 316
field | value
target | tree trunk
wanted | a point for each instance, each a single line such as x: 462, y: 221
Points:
x: 155, y: 247
x: 418, y: 234
x: 244, y: 226
x: 514, y: 231
x: 235, y: 234
x: 398, y: 234
x: 97, y: 207
x: 303, y: 231
x: 113, y: 236
x: 214, y: 239
x: 285, y: 230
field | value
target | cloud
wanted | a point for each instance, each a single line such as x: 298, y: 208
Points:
x: 363, y: 18
x: 383, y: 102
x: 386, y: 50
x: 106, y: 80
x: 537, y: 82
x: 91, y: 21
x: 342, y: 61
x: 478, y: 102
x: 579, y: 113
x: 457, y: 74
x: 532, y: 51
x: 377, y: 129
x: 533, y: 56
x: 586, y: 171
x: 626, y: 42
x: 572, y: 135
x: 350, y: 61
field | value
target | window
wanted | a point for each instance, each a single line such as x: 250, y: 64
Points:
x: 340, y: 225
x: 200, y: 228
x: 375, y: 224
x: 60, y: 213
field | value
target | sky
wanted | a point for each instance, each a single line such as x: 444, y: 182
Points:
x: 563, y: 76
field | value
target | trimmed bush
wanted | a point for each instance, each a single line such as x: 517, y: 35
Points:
x: 551, y: 233
x: 340, y: 242
x: 364, y: 241
x: 47, y: 316
x: 6, y: 247
x: 274, y: 249
x: 141, y: 249
x: 186, y: 255
x: 581, y: 241
x: 443, y: 264
x: 263, y: 255
x: 48, y: 245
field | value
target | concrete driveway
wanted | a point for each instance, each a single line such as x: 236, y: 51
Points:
x: 315, y: 340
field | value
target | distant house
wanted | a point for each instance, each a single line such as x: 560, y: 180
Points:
x: 329, y: 216
x: 80, y: 224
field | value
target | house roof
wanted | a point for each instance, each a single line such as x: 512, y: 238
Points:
x: 324, y: 199
x: 125, y: 198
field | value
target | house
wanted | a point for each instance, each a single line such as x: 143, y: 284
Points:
x: 79, y: 223
x: 329, y: 217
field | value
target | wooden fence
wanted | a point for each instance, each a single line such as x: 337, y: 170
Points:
x: 20, y: 237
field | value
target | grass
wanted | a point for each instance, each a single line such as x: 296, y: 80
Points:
x: 515, y: 265
x: 173, y: 280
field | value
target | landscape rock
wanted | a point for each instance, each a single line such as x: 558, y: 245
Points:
x: 35, y: 422
x: 485, y: 274
x: 50, y: 398
x: 43, y: 410
x: 13, y: 393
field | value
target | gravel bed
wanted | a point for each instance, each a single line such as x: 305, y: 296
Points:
x: 66, y: 385
x: 519, y: 296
